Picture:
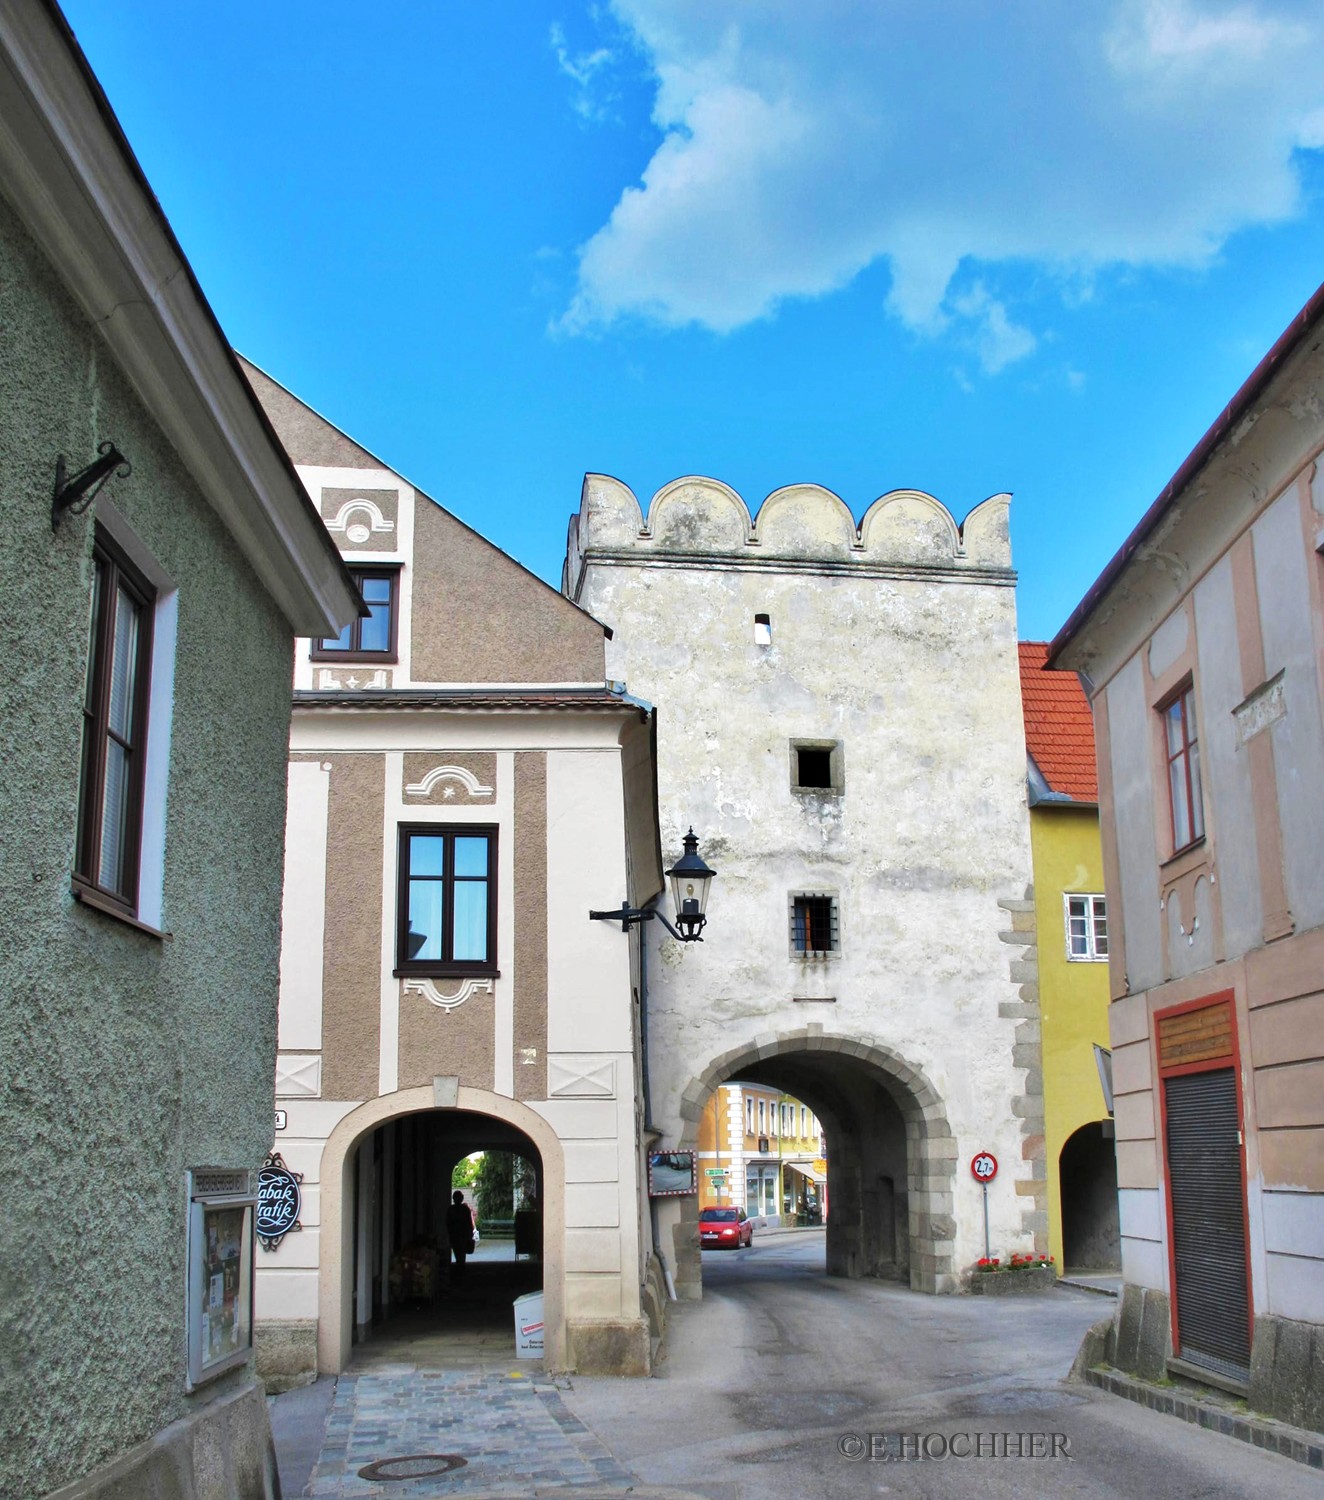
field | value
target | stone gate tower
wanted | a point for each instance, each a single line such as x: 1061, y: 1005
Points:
x: 839, y: 718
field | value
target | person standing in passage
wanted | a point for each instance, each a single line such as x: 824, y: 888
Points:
x: 460, y: 1232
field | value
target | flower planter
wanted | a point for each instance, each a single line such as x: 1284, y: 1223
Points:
x: 1019, y: 1283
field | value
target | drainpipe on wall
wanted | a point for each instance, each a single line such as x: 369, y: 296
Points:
x: 648, y: 1099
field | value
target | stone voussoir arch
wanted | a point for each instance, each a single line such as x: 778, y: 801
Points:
x: 931, y: 1151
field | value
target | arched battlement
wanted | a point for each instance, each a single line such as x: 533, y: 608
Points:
x: 609, y: 513
x: 805, y: 520
x: 986, y: 533
x: 700, y: 515
x: 806, y: 524
x: 910, y: 526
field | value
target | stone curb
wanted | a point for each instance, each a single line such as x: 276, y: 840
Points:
x: 1261, y: 1432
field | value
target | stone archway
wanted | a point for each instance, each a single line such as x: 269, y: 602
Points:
x: 336, y: 1251
x: 862, y: 1091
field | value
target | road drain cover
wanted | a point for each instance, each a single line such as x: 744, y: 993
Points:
x: 413, y: 1466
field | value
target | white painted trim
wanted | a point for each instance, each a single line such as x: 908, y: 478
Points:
x: 503, y: 1041
x: 317, y: 477
x: 466, y: 778
x: 303, y: 919
x: 388, y: 1063
x: 324, y: 731
x: 404, y: 615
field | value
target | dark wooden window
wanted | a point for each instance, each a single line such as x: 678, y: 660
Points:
x: 1182, y: 748
x: 119, y: 663
x: 371, y: 637
x: 447, y: 900
x: 814, y: 924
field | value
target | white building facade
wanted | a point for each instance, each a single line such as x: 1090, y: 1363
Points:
x: 839, y: 718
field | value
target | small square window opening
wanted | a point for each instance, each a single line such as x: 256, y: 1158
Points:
x: 817, y: 766
x: 762, y: 630
x: 814, y: 927
x: 813, y: 767
x: 1087, y: 928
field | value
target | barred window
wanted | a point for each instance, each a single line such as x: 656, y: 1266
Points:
x: 814, y: 926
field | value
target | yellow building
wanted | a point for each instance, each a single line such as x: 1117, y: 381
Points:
x: 1071, y: 920
x: 763, y: 1150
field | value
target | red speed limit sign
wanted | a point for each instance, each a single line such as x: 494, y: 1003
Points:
x: 984, y: 1167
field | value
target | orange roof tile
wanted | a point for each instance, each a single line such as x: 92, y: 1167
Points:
x: 1059, y: 727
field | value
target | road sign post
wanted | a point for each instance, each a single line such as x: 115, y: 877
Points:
x: 984, y: 1168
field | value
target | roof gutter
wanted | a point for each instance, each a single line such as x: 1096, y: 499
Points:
x: 1232, y: 413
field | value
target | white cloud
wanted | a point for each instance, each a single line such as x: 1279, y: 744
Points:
x: 803, y: 142
x: 997, y: 341
x: 582, y: 68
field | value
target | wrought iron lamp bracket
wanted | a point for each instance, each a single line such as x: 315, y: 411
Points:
x: 74, y: 493
x: 633, y: 916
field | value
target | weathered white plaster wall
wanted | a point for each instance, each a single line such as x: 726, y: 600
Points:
x: 899, y: 641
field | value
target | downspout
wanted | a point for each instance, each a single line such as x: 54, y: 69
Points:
x: 649, y: 1127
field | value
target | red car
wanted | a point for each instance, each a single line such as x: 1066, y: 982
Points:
x: 729, y: 1227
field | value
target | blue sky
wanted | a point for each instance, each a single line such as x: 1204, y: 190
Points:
x: 875, y: 244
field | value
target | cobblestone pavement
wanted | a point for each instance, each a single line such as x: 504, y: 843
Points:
x: 514, y: 1430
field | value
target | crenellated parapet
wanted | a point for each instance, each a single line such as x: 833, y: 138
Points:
x: 696, y: 520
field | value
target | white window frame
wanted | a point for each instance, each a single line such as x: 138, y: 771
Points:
x: 149, y: 909
x: 749, y: 1114
x: 1093, y: 911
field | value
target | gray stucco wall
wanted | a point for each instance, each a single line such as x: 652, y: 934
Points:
x: 1133, y: 814
x: 1298, y: 737
x: 1226, y: 764
x: 127, y: 1059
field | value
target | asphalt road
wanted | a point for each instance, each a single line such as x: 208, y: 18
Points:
x: 780, y: 1380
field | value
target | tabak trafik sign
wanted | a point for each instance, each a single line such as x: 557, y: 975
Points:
x: 279, y: 1201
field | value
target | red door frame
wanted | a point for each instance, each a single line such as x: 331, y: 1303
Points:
x: 1230, y: 1059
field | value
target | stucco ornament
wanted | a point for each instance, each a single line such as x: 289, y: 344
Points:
x: 431, y: 993
x: 467, y: 779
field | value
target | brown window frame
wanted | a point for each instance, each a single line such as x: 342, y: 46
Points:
x: 113, y: 570
x: 1184, y: 698
x: 360, y: 572
x: 445, y: 967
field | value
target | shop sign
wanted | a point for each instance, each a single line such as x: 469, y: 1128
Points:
x: 279, y: 1200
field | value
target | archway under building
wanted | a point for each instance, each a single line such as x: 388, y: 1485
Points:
x: 1087, y: 1180
x: 386, y: 1275
x: 890, y: 1152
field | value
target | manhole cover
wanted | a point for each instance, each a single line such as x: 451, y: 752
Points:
x: 413, y: 1466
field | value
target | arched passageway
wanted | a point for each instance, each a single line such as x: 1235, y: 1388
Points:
x: 405, y: 1282
x: 1087, y: 1178
x: 384, y: 1252
x: 891, y: 1156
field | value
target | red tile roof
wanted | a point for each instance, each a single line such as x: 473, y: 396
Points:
x: 1059, y: 728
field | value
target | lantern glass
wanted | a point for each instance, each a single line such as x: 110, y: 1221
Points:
x: 690, y: 881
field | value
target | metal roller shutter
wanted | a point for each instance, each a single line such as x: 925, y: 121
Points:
x: 1208, y: 1220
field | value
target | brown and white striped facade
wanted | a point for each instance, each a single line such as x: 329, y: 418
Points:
x: 1217, y: 948
x: 495, y: 713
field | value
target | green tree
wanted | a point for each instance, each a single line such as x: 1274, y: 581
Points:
x: 503, y: 1183
x: 466, y: 1171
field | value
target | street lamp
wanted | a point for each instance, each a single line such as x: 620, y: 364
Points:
x: 690, y: 879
